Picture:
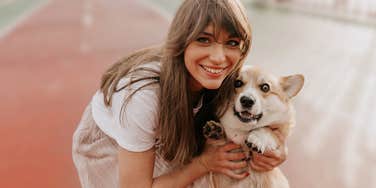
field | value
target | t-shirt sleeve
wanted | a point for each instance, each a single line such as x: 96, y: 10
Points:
x: 133, y: 128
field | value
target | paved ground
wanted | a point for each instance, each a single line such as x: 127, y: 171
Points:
x: 51, y: 63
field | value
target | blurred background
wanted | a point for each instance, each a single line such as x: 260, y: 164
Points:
x: 53, y: 52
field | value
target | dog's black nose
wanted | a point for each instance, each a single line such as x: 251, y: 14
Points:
x: 246, y: 102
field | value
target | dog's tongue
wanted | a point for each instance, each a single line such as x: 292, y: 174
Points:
x: 246, y: 114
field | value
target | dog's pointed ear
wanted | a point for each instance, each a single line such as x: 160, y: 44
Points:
x: 292, y: 84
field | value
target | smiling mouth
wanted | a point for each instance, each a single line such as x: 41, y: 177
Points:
x: 246, y: 116
x: 213, y: 70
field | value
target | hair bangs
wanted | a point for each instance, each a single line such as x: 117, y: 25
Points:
x: 223, y: 19
x: 227, y: 16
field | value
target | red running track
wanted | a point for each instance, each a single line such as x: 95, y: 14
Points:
x: 50, y: 65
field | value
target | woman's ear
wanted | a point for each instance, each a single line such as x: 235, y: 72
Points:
x: 292, y: 84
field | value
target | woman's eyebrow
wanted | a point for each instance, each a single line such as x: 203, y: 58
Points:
x: 206, y: 33
x: 231, y: 35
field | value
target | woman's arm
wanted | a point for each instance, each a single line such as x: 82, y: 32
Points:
x: 136, y: 168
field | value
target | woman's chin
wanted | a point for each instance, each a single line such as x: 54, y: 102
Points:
x: 213, y: 85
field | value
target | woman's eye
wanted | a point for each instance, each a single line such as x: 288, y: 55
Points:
x: 265, y: 88
x: 203, y: 40
x: 238, y: 83
x: 233, y: 43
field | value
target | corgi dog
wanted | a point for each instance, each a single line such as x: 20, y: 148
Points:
x: 261, y: 100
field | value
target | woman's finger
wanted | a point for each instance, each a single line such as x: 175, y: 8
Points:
x: 277, y: 155
x: 270, y: 160
x: 234, y: 175
x: 277, y: 132
x: 229, y: 147
x: 272, y: 154
x: 234, y: 165
x: 235, y: 156
x: 260, y: 167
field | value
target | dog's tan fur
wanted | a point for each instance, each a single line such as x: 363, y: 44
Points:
x: 276, y: 110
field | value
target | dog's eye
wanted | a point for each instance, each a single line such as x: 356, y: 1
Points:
x: 238, y: 83
x: 265, y: 88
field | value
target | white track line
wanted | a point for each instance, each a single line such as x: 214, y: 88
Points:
x: 325, y: 125
x: 363, y: 127
x: 371, y: 123
x: 6, y: 2
x: 351, y: 159
x: 158, y: 8
x: 87, y: 22
x: 22, y: 18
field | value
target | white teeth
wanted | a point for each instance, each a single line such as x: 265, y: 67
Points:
x: 214, y: 71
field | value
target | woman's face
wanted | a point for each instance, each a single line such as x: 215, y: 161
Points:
x: 210, y: 60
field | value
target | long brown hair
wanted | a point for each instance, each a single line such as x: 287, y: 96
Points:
x: 176, y: 129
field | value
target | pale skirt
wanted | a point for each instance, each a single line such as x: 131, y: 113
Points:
x: 95, y: 157
x: 94, y: 154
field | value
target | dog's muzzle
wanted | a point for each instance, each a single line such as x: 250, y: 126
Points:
x: 246, y: 116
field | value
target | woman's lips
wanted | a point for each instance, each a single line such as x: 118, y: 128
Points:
x: 213, y: 70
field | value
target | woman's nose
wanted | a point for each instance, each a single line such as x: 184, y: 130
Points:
x: 217, y: 54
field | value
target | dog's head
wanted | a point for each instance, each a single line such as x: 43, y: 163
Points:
x: 261, y: 99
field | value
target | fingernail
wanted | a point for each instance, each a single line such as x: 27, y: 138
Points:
x: 247, y: 174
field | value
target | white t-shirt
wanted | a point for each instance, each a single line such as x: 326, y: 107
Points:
x: 134, y: 130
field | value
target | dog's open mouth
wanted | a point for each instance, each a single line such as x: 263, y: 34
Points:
x: 246, y: 116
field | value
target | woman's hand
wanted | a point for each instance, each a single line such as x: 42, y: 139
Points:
x: 219, y: 159
x: 270, y: 159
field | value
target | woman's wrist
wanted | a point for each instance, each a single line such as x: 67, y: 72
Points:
x: 201, y: 165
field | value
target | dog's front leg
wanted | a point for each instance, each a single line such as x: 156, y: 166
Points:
x: 262, y: 139
x: 213, y: 130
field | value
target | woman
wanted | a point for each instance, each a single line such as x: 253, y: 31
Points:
x: 143, y: 127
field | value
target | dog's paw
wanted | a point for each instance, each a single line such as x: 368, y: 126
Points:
x: 261, y: 140
x: 213, y: 130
